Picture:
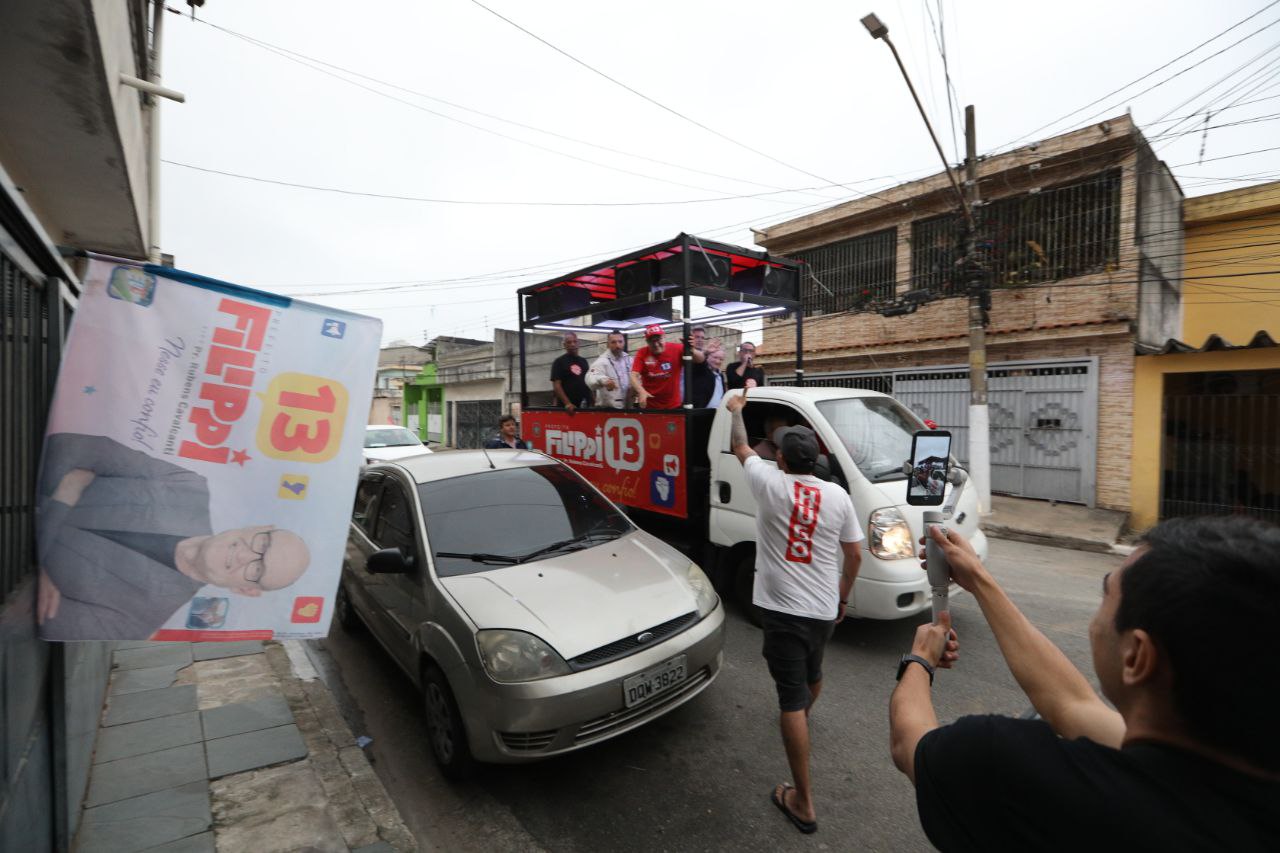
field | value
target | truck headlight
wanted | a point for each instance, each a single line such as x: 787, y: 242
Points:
x: 888, y: 535
x: 513, y: 656
x: 702, y: 590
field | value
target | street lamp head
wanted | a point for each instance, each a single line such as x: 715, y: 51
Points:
x: 873, y: 25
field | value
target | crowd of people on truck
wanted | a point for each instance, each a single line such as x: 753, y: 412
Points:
x: 652, y: 378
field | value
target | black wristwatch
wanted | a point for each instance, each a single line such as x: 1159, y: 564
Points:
x: 906, y: 659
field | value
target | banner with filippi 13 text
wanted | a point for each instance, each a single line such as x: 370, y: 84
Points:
x: 200, y: 462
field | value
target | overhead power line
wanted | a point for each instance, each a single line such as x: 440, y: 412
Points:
x: 1152, y: 73
x: 663, y: 106
x: 482, y: 202
x: 465, y: 123
x: 275, y: 48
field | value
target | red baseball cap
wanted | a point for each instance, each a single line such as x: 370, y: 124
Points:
x: 655, y: 329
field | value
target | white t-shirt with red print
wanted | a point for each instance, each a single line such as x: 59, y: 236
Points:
x: 800, y: 524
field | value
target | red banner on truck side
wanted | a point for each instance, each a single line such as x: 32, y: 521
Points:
x: 636, y: 458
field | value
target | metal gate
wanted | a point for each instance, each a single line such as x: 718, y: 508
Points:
x: 476, y: 422
x: 1043, y: 419
x: 1222, y: 444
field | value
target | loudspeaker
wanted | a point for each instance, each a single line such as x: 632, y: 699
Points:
x: 559, y: 299
x: 659, y: 309
x: 704, y: 270
x: 636, y: 278
x: 765, y: 280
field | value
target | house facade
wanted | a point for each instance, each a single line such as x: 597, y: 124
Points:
x: 73, y: 172
x: 397, y: 364
x: 1207, y: 402
x: 1081, y: 242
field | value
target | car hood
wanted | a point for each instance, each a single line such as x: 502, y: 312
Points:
x: 585, y: 599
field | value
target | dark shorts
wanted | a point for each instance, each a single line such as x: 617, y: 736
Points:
x: 793, y: 647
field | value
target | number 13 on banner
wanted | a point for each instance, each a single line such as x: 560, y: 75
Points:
x: 302, y: 418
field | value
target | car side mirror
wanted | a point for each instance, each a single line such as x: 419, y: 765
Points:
x: 389, y: 561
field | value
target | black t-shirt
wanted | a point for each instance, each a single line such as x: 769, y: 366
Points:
x: 571, y: 370
x: 736, y: 381
x: 995, y: 783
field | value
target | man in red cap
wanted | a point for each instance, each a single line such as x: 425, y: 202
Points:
x: 657, y: 371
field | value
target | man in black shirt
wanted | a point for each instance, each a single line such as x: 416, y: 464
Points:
x: 569, y: 377
x: 744, y: 370
x: 1186, y: 760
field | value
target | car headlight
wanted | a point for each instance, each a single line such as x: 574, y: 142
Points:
x: 702, y: 590
x: 513, y: 656
x: 888, y: 535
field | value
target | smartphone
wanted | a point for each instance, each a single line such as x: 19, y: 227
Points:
x: 930, y: 464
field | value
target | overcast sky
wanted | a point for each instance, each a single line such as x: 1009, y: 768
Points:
x: 800, y: 82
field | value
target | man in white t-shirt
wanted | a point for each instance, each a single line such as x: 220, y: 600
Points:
x: 803, y: 526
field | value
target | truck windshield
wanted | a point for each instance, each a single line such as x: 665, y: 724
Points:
x: 876, y: 431
x: 514, y: 515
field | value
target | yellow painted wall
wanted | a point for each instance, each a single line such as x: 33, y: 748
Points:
x: 1148, y: 410
x: 1226, y: 234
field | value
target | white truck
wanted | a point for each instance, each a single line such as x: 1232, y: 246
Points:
x: 673, y: 468
x: 866, y: 436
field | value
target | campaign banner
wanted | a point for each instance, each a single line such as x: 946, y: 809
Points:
x: 201, y: 460
x: 635, y: 458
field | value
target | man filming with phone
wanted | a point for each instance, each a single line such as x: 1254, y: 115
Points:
x: 1187, y: 759
x: 743, y: 373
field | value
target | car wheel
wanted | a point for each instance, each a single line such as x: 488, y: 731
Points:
x: 744, y: 583
x: 445, y: 731
x: 345, y: 612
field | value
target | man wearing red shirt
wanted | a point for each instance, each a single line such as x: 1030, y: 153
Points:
x: 657, y: 371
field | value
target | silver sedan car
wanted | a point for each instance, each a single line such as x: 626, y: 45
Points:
x: 535, y: 617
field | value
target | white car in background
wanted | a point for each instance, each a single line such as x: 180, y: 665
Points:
x: 388, y: 443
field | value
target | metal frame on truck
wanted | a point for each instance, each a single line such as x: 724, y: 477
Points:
x: 651, y: 460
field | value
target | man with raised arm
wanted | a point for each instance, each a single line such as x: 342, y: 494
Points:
x: 803, y: 527
x: 1185, y: 755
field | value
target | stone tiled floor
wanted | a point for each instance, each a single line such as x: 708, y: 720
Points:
x: 157, y: 751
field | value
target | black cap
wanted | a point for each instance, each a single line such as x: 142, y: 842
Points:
x: 799, y: 446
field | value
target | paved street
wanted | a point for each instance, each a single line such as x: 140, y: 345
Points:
x: 699, y: 778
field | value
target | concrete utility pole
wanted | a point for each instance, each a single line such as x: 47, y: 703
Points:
x: 979, y: 301
x: 973, y: 274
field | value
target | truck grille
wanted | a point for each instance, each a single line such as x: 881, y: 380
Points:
x: 628, y: 645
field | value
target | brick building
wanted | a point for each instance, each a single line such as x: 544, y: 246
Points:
x: 1083, y: 248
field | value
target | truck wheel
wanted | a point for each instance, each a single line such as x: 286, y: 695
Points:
x: 744, y: 584
x: 445, y: 731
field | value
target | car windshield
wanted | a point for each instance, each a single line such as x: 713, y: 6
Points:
x: 390, y: 437
x: 876, y: 431
x: 513, y: 515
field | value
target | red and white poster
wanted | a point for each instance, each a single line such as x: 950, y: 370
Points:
x: 201, y: 459
x: 635, y: 458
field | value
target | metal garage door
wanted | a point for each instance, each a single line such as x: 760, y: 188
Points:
x: 1043, y: 420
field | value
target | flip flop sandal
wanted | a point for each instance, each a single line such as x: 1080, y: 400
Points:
x: 808, y: 827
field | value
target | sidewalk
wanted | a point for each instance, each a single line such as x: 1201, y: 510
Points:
x: 1058, y: 525
x: 229, y: 747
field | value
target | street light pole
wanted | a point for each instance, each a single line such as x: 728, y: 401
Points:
x: 974, y: 281
x: 880, y: 31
